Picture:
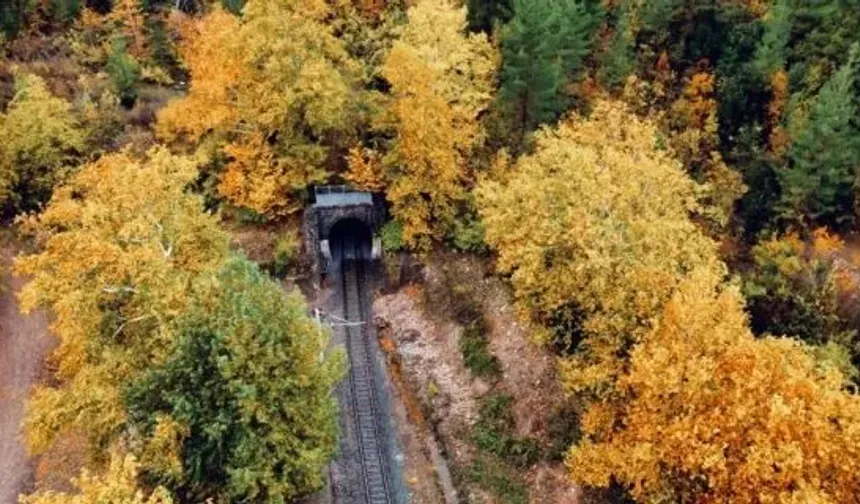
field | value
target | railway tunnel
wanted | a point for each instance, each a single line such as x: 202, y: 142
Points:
x: 342, y: 236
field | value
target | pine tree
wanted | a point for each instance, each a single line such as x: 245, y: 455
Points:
x: 619, y: 60
x: 485, y: 14
x: 772, y: 50
x: 819, y: 181
x: 543, y: 47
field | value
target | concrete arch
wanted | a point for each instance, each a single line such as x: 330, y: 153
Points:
x: 322, y: 217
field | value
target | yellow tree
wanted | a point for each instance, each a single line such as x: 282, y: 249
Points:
x: 693, y: 126
x: 274, y: 90
x: 708, y: 413
x: 41, y: 138
x: 122, y: 246
x: 441, y: 80
x: 118, y: 485
x: 595, y: 225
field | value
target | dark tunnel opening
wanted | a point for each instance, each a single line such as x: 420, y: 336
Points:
x: 350, y: 239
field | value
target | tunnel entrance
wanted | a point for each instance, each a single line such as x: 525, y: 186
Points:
x: 341, y: 220
x: 350, y: 239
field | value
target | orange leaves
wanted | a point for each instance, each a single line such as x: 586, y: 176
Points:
x: 365, y: 170
x: 431, y: 167
x: 216, y: 65
x: 259, y: 178
x: 825, y: 243
x: 275, y: 90
x: 699, y: 92
x: 753, y: 420
x: 441, y: 80
x: 778, y: 138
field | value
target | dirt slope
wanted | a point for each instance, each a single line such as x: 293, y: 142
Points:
x: 24, y: 343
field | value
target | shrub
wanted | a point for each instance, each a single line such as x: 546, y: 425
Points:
x: 287, y: 251
x: 124, y: 71
x: 495, y: 433
x: 498, y: 478
x: 468, y: 234
x: 392, y: 236
x: 476, y: 352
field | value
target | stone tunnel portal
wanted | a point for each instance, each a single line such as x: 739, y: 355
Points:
x: 340, y: 216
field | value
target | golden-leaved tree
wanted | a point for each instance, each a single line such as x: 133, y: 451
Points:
x: 595, y: 229
x: 121, y: 247
x: 708, y: 413
x: 41, y: 139
x: 118, y: 485
x: 275, y: 91
x: 441, y: 80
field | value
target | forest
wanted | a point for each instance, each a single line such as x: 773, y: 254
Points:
x: 669, y: 189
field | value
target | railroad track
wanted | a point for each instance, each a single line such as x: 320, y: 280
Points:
x: 365, y: 404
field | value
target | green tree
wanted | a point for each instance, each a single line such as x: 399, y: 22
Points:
x: 124, y: 71
x: 818, y: 184
x: 619, y: 60
x: 250, y: 383
x: 41, y: 140
x: 484, y: 15
x: 543, y: 48
x: 772, y: 50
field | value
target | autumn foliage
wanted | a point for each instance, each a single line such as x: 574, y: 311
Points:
x: 596, y: 225
x: 274, y: 91
x: 441, y: 81
x: 122, y: 247
x: 41, y: 140
x: 709, y: 413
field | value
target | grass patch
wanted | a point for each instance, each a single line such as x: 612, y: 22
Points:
x: 494, y: 433
x: 476, y: 351
x: 495, y: 476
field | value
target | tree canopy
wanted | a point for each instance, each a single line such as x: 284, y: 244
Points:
x: 247, y: 395
x: 123, y: 246
x: 708, y: 412
x: 607, y: 235
x: 275, y: 92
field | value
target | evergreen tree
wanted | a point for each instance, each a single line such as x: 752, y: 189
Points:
x: 819, y: 182
x: 771, y: 53
x: 619, y: 60
x: 484, y: 14
x: 12, y: 13
x: 543, y: 48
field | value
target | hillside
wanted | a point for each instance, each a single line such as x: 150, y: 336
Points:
x: 608, y: 251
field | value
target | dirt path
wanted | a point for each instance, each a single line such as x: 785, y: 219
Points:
x: 24, y: 343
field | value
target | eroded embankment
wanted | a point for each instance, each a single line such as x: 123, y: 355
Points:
x: 24, y: 343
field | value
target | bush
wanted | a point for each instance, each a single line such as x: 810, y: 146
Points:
x: 124, y: 71
x: 287, y: 252
x: 476, y: 352
x: 392, y: 236
x: 495, y: 433
x: 468, y: 234
x: 496, y: 477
